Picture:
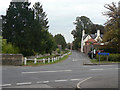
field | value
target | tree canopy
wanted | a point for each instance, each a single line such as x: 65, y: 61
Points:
x: 112, y: 34
x: 83, y: 23
x: 27, y: 28
x: 60, y: 40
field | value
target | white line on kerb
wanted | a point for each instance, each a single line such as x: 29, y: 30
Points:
x: 26, y: 83
x: 78, y: 85
x: 43, y: 82
x: 46, y: 71
x: 5, y: 85
x: 60, y: 80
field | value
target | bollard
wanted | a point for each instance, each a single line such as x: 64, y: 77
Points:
x: 25, y: 61
x: 35, y: 61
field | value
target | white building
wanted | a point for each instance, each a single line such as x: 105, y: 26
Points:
x: 85, y: 37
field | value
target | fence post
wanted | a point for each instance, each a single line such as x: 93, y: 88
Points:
x: 25, y: 61
x: 52, y: 60
x: 35, y: 61
x: 43, y: 60
x: 48, y: 60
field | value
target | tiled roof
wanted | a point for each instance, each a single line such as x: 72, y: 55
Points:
x: 91, y: 40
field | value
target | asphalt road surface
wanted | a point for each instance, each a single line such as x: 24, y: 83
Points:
x: 65, y: 74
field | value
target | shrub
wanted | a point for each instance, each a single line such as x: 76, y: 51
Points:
x: 112, y: 57
x: 8, y: 48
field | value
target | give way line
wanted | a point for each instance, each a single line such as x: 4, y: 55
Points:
x: 46, y: 71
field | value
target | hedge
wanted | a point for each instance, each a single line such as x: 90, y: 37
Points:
x: 112, y: 57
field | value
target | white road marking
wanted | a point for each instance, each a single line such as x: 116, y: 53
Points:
x: 60, y: 80
x: 26, y: 83
x: 5, y: 85
x: 43, y: 82
x: 96, y: 69
x: 75, y: 79
x: 107, y: 65
x: 104, y: 69
x: 46, y: 71
x: 78, y: 85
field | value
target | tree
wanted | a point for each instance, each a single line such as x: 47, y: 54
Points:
x: 60, y: 40
x: 112, y: 35
x: 96, y: 27
x: 45, y: 39
x: 40, y: 15
x: 82, y: 23
x: 17, y: 25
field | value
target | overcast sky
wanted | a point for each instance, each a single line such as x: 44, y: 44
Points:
x: 62, y: 13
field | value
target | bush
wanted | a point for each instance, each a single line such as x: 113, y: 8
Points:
x: 112, y: 57
x: 8, y: 48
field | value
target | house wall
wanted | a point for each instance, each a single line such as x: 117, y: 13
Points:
x: 87, y: 49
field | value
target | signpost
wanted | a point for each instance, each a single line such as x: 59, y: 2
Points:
x: 105, y: 54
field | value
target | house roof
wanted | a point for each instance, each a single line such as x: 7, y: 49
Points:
x: 91, y: 40
x: 93, y: 36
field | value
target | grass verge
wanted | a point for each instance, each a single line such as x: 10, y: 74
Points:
x: 31, y: 63
x: 102, y: 62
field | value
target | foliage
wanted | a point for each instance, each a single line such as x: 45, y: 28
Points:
x: 8, y: 48
x: 40, y: 15
x: 27, y: 29
x: 112, y: 34
x: 108, y: 49
x: 83, y: 23
x: 112, y: 57
x: 60, y: 40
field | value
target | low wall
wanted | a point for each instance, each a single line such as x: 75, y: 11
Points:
x: 11, y: 59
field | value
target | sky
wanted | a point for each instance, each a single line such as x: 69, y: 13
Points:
x: 62, y: 13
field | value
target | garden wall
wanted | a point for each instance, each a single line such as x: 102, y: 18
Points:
x: 11, y: 59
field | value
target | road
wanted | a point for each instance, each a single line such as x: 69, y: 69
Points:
x: 65, y: 74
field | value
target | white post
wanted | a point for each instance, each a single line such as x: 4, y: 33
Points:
x: 25, y: 61
x: 35, y: 61
x: 43, y: 60
x: 48, y: 60
x: 52, y: 59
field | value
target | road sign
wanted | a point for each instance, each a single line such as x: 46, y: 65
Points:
x: 104, y: 54
x: 107, y: 54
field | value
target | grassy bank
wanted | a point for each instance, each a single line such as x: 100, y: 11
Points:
x: 31, y: 63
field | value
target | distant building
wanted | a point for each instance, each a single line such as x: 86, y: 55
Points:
x: 91, y: 39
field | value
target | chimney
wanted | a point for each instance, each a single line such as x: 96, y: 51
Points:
x: 83, y: 33
x: 98, y: 32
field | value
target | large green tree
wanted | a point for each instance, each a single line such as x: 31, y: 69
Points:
x: 27, y: 28
x: 60, y: 40
x: 112, y: 35
x: 17, y: 25
x: 81, y: 23
x: 40, y: 15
